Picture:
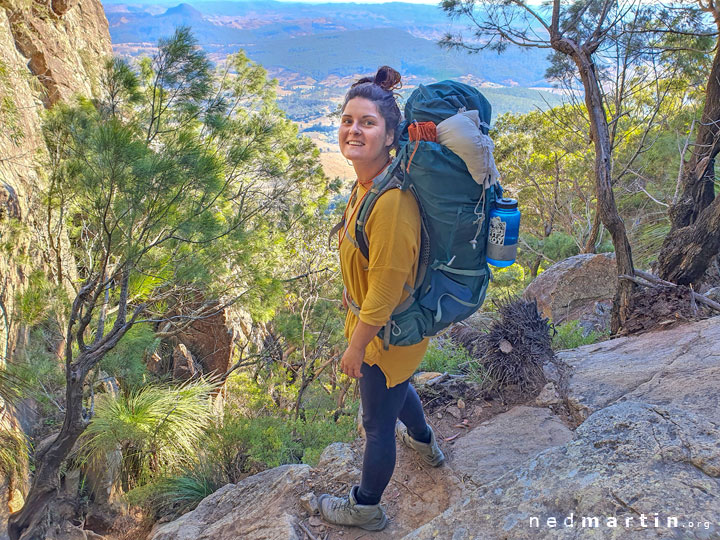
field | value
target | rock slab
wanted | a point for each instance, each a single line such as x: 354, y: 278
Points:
x: 679, y: 367
x: 261, y: 507
x: 521, y: 433
x: 626, y: 461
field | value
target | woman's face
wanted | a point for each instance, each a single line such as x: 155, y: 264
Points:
x: 362, y: 134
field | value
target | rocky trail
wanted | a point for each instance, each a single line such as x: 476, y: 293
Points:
x: 623, y: 443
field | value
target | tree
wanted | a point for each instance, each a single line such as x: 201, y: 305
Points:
x: 547, y: 168
x: 602, y: 43
x: 177, y: 191
x: 694, y: 237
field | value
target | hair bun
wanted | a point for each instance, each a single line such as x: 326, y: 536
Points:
x: 388, y: 79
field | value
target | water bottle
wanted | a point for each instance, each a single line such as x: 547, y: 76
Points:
x: 503, y: 232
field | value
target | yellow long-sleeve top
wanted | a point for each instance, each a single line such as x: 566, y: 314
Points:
x: 378, y: 285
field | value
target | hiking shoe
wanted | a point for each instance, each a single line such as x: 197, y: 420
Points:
x: 346, y: 511
x: 430, y: 452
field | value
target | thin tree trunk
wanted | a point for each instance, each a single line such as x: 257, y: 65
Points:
x: 594, y: 233
x: 606, y: 207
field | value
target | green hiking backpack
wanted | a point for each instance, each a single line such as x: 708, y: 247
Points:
x: 453, y: 275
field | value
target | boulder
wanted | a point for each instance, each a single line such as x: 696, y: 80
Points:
x: 262, y: 506
x: 183, y: 364
x: 579, y: 288
x: 533, y: 430
x: 679, y: 366
x: 61, y: 7
x: 338, y: 462
x: 628, y: 464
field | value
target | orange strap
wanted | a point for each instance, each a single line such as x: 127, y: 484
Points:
x: 421, y: 131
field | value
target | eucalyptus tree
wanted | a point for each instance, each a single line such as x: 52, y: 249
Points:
x: 694, y: 237
x: 176, y: 190
x: 603, y: 45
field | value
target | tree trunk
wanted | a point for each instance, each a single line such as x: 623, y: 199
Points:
x: 699, y: 171
x: 46, y: 478
x: 594, y: 233
x: 694, y: 237
x: 606, y: 207
x: 687, y: 252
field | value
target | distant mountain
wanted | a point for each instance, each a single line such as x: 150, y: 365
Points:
x: 320, y: 40
x: 183, y: 11
x: 362, y: 51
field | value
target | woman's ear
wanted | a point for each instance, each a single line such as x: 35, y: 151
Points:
x: 389, y: 139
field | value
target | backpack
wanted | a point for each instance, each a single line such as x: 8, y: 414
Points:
x: 453, y: 274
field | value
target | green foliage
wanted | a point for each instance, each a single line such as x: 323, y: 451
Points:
x: 443, y: 355
x: 13, y: 454
x: 157, y: 429
x: 174, y: 495
x: 571, y: 335
x: 126, y: 362
x: 33, y: 303
x: 37, y: 373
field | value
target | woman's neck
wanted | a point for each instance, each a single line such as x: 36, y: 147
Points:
x: 367, y: 171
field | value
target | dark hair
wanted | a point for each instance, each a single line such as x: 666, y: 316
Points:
x: 379, y: 90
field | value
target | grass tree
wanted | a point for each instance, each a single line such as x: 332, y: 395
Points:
x: 176, y: 191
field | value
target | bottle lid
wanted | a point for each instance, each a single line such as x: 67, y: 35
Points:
x: 506, y: 203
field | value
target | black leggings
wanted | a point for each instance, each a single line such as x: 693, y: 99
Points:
x: 382, y: 406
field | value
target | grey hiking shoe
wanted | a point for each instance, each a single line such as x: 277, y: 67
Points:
x: 346, y: 511
x: 429, y: 452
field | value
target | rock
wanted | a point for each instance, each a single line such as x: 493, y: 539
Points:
x: 211, y: 340
x: 455, y: 412
x: 183, y: 364
x: 61, y: 7
x: 522, y: 432
x: 548, y: 396
x: 258, y: 507
x: 571, y: 289
x: 44, y: 60
x: 102, y: 476
x: 154, y: 364
x: 72, y: 482
x: 626, y: 461
x: 424, y: 377
x: 309, y: 502
x: 679, y: 366
x: 338, y: 462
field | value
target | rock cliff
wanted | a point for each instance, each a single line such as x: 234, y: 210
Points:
x: 50, y: 50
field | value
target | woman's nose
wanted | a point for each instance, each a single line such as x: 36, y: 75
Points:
x: 355, y: 127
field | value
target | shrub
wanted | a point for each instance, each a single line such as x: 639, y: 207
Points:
x: 443, y: 355
x: 571, y: 335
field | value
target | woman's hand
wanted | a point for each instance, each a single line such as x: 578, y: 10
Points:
x: 352, y: 361
x: 354, y: 355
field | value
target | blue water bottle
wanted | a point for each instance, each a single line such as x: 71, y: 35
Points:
x: 503, y: 232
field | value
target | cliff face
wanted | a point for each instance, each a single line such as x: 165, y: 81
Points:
x: 49, y: 51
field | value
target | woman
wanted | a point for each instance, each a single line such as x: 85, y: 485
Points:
x: 368, y: 131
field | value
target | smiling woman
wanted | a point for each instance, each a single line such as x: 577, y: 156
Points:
x: 374, y: 286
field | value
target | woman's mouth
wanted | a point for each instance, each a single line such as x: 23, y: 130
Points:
x: 355, y: 143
